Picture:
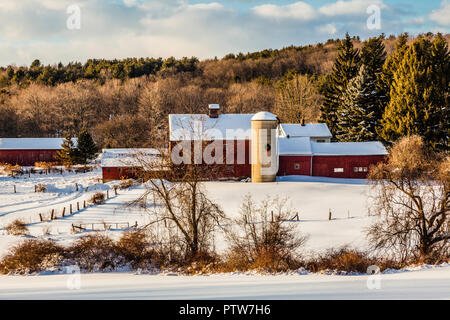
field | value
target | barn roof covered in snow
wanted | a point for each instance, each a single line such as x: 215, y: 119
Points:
x: 349, y: 148
x: 297, y: 146
x: 202, y: 127
x: 304, y: 146
x: 264, y: 116
x: 32, y: 143
x: 117, y: 158
x: 294, y: 130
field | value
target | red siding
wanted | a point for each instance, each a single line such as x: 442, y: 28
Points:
x: 115, y: 173
x: 229, y: 170
x: 294, y: 165
x: 27, y: 157
x: 323, y: 166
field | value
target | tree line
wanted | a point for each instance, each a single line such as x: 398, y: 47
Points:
x: 379, y: 89
x: 369, y: 96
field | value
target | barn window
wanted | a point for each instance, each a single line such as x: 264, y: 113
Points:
x: 338, y: 169
x: 320, y: 140
x: 120, y: 169
x: 297, y: 166
x: 108, y: 169
x: 360, y: 169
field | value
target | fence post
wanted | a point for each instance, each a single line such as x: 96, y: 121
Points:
x: 78, y: 206
x: 107, y: 194
x: 70, y: 208
x: 53, y: 214
x: 64, y: 211
x: 84, y: 203
x: 115, y: 191
x: 40, y: 217
x: 35, y: 188
x: 76, y: 186
x: 14, y: 188
x: 329, y: 214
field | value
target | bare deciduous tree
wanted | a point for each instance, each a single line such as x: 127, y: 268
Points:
x: 179, y: 202
x: 411, y: 202
x: 261, y: 236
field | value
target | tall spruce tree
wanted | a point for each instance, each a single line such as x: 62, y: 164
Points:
x: 86, y: 148
x: 345, y: 68
x: 419, y: 94
x: 357, y: 112
x: 68, y: 153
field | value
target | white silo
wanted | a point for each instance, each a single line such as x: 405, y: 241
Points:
x: 264, y: 155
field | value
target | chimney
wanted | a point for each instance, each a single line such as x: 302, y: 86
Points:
x: 213, y: 110
x: 303, y: 122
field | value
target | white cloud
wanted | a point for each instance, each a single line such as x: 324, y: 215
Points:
x: 352, y: 7
x: 442, y: 15
x: 297, y: 11
x: 329, y: 29
x: 33, y: 29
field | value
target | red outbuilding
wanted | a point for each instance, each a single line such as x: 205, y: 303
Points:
x: 28, y: 151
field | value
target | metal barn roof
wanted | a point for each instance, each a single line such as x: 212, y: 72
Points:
x: 294, y: 130
x: 32, y: 143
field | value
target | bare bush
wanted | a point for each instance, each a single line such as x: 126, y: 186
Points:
x: 347, y: 260
x: 126, y: 183
x: 31, y: 256
x: 40, y: 188
x: 17, y: 228
x: 97, y: 198
x: 95, y: 253
x: 262, y: 239
x: 412, y: 203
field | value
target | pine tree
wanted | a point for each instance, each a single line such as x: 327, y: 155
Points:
x: 68, y: 153
x: 86, y: 148
x: 345, y: 68
x: 419, y: 95
x: 373, y: 58
x: 357, y: 113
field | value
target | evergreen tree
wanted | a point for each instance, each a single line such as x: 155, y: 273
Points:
x: 357, y: 113
x: 386, y: 77
x: 345, y: 68
x: 373, y: 58
x: 68, y: 153
x: 86, y: 148
x: 419, y: 94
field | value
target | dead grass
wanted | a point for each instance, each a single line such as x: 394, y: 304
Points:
x: 97, y: 198
x: 17, y: 228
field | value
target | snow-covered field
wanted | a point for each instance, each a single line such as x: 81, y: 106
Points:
x: 311, y: 198
x: 424, y: 283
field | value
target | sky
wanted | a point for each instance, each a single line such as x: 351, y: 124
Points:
x: 75, y: 30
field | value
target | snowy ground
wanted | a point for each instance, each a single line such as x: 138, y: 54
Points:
x: 311, y: 197
x: 424, y: 283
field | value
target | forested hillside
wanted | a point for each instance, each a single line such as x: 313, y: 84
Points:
x: 380, y: 89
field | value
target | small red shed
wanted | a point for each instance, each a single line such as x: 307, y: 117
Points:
x: 28, y: 151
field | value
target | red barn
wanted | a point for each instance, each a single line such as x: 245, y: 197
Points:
x: 28, y: 151
x: 303, y: 149
x: 120, y: 164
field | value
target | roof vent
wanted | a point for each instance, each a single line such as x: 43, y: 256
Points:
x: 214, y: 110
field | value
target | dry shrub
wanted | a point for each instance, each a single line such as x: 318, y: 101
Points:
x: 347, y: 260
x: 11, y: 170
x: 41, y: 188
x: 262, y: 239
x: 97, y: 198
x: 126, y: 183
x: 17, y: 228
x: 31, y: 256
x: 95, y: 253
x: 134, y: 246
x: 48, y: 166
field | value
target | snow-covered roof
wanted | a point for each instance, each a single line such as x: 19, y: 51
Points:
x: 308, y: 130
x: 265, y: 116
x: 297, y: 146
x: 128, y: 157
x: 349, y: 148
x: 32, y: 143
x: 304, y: 146
x: 202, y: 127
